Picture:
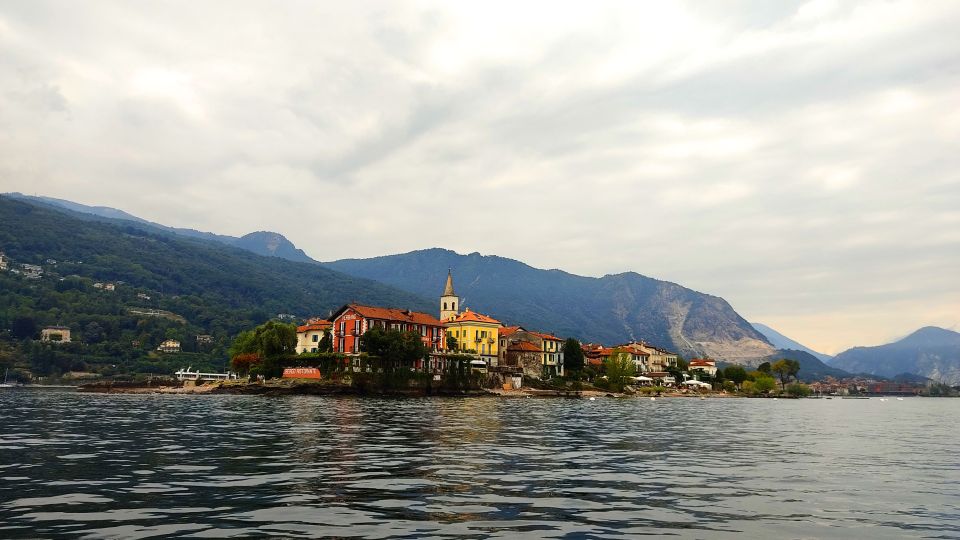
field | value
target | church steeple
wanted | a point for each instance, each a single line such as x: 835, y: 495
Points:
x: 449, y: 300
x: 448, y: 290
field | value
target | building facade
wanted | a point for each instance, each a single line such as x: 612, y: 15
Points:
x: 476, y: 334
x: 311, y: 334
x: 703, y: 365
x: 550, y: 346
x: 169, y: 346
x: 350, y: 322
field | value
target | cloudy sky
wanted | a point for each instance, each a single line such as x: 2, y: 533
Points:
x: 800, y: 159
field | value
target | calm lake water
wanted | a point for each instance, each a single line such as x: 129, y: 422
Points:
x: 124, y: 466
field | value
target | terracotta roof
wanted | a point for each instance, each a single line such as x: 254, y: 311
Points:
x: 702, y: 363
x: 321, y: 325
x: 393, y: 314
x: 634, y: 348
x: 524, y: 346
x: 507, y: 330
x: 473, y: 316
x: 549, y: 337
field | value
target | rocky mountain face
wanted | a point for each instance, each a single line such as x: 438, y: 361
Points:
x: 612, y: 309
x: 930, y: 352
x: 781, y: 341
x: 267, y: 243
x: 271, y: 244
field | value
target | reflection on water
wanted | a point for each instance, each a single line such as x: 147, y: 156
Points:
x: 80, y: 465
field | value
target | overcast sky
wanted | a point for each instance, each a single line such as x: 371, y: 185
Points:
x: 800, y: 159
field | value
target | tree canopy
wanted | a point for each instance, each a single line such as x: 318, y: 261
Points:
x: 573, y: 359
x: 403, y: 347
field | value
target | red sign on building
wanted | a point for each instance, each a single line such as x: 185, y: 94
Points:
x: 301, y: 373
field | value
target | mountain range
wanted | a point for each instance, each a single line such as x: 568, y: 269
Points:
x: 265, y: 243
x: 930, y: 351
x: 610, y: 309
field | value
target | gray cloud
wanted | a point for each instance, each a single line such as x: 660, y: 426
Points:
x: 797, y: 158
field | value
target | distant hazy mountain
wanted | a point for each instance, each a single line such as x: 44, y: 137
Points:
x: 811, y: 368
x: 781, y: 341
x: 265, y: 243
x: 930, y: 352
x: 612, y: 309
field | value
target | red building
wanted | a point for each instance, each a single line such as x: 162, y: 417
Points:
x: 352, y: 320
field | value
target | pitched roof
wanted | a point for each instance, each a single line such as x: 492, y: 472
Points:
x: 702, y: 363
x: 549, y: 337
x: 523, y: 346
x: 473, y: 316
x: 314, y: 326
x: 507, y: 330
x: 391, y: 314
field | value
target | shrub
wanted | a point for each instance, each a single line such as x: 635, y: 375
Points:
x: 798, y: 390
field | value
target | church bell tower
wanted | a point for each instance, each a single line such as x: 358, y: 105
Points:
x: 449, y: 307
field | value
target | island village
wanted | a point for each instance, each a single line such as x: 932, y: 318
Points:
x: 460, y: 344
x: 508, y: 355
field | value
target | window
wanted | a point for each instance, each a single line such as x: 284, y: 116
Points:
x: 444, y: 306
x: 454, y: 306
x: 316, y: 338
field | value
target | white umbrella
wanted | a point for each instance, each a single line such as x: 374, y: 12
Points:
x: 642, y: 379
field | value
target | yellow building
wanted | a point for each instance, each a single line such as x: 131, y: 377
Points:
x: 473, y: 332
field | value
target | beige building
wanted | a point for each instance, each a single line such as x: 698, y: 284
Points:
x: 659, y: 359
x: 4, y: 262
x: 55, y: 334
x: 310, y: 335
x: 169, y: 346
x: 703, y: 365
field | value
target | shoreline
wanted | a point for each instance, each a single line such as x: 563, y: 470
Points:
x: 333, y: 389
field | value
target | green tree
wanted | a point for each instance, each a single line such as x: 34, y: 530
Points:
x: 736, y: 374
x: 271, y: 341
x: 403, y: 348
x: 23, y: 328
x: 764, y: 368
x: 784, y: 370
x: 326, y: 343
x: 764, y: 385
x: 798, y: 390
x: 451, y: 342
x: 618, y: 367
x: 573, y: 358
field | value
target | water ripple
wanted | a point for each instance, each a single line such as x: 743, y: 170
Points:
x: 141, y: 466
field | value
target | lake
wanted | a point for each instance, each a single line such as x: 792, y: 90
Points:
x: 136, y: 466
